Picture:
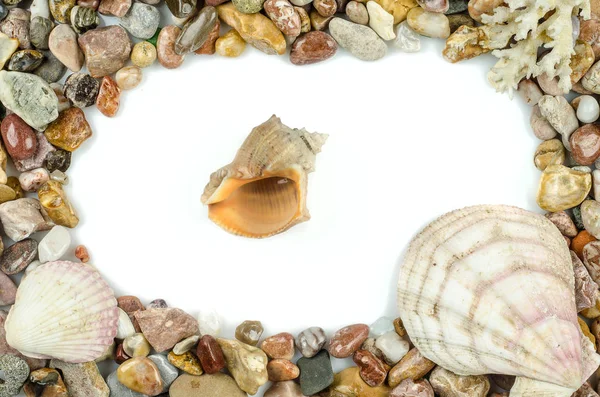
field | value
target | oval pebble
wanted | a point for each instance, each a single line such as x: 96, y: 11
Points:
x: 165, y: 47
x: 128, y: 77
x: 361, y: 41
x: 54, y: 244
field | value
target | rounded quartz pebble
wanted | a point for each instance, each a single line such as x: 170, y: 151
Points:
x: 143, y: 54
x: 81, y: 89
x: 165, y: 47
x: 32, y: 180
x: 210, y: 354
x: 141, y: 374
x: 230, y: 44
x: 19, y: 139
x: 54, y: 244
x: 16, y: 257
x: 249, y: 332
x: 392, y: 346
x: 136, y: 345
x: 129, y: 77
x: 348, y: 340
x: 16, y: 372
x: 585, y: 144
x: 310, y: 341
x: 313, y: 47
x: 588, y: 109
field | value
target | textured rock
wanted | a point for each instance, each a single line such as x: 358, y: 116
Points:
x: 392, y: 346
x: 165, y: 327
x: 8, y: 46
x: 39, y: 32
x: 117, y: 8
x: 249, y: 332
x: 32, y: 180
x: 82, y: 380
x: 280, y: 370
x: 58, y: 207
x: 8, y: 292
x: 285, y: 16
x: 284, y: 389
x: 217, y: 385
x: 128, y: 77
x: 30, y: 97
x: 412, y: 366
x: 37, y: 160
x: 141, y: 21
x: 316, y: 373
x: 448, y: 384
x: 398, y: 8
x: 279, y: 346
x: 310, y: 341
x: 187, y: 362
x: 349, y: 383
x: 25, y: 60
x: 586, y: 289
x: 372, y: 370
x: 430, y: 24
x: 15, y: 258
x: 109, y: 98
x: 381, y: 21
x: 81, y: 89
x: 209, y: 46
x: 230, y: 44
x: 165, y: 47
x: 357, y: 12
x: 168, y: 372
x: 313, y: 47
x: 16, y: 25
x: 196, y: 31
x: 585, y: 144
x: 411, y: 388
x: 181, y: 8
x: 45, y: 382
x: 348, y: 340
x: 23, y: 217
x: 359, y: 40
x: 548, y: 153
x: 70, y: 130
x: 256, y: 29
x: 84, y: 19
x: 247, y: 364
x: 61, y: 10
x: 562, y: 188
x: 51, y: 70
x: 106, y: 50
x: 248, y: 6
x: 143, y: 54
x: 15, y: 372
x: 117, y: 389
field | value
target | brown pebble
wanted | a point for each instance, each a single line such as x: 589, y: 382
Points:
x: 284, y: 15
x: 109, y: 97
x: 210, y: 354
x: 413, y: 388
x: 279, y: 346
x: 249, y: 332
x: 372, y: 370
x: 585, y: 144
x: 399, y: 327
x: 580, y: 241
x: 106, y: 49
x: 313, y: 47
x: 563, y: 223
x: 120, y: 355
x: 164, y: 328
x: 280, y: 370
x: 412, y: 366
x: 131, y: 305
x: 325, y: 8
x: 117, y: 8
x: 208, y: 48
x: 348, y: 340
x: 69, y: 130
x: 82, y: 254
x: 165, y: 47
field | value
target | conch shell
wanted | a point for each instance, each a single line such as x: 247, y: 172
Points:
x: 263, y: 191
x: 63, y: 310
x: 490, y: 290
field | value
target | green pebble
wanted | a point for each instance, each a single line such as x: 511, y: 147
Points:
x: 316, y: 373
x: 152, y: 40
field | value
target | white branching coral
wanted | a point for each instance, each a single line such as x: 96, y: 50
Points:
x: 517, y: 30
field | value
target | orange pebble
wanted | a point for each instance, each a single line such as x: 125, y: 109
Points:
x: 580, y: 241
x: 82, y: 253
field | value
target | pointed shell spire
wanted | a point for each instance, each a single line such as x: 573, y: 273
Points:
x: 263, y: 191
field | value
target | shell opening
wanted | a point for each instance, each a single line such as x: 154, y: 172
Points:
x: 258, y: 208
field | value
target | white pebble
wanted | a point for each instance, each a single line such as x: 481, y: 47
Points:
x: 125, y: 327
x: 210, y: 323
x: 55, y: 244
x: 381, y: 21
x: 381, y: 326
x: 392, y: 346
x: 186, y: 345
x: 588, y: 109
x: 407, y: 40
x: 40, y: 8
x: 31, y: 267
x: 32, y: 180
x: 60, y: 177
x: 595, y: 182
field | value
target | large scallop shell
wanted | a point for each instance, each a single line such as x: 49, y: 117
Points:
x: 63, y: 310
x: 490, y: 290
x: 263, y: 191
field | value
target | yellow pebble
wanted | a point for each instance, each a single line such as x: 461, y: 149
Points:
x: 143, y: 54
x: 230, y: 44
x: 186, y: 362
x: 562, y: 188
x: 55, y: 202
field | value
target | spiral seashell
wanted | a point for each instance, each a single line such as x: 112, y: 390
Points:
x: 63, y: 310
x: 490, y: 290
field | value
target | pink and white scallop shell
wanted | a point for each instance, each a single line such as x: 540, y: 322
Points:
x: 63, y: 310
x: 490, y: 289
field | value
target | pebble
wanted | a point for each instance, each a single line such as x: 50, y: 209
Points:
x: 412, y: 366
x: 25, y: 60
x: 109, y: 97
x: 39, y: 32
x: 285, y: 16
x: 15, y: 373
x: 129, y: 77
x: 581, y: 61
x: 210, y: 354
x: 458, y: 20
x: 413, y: 388
x: 381, y: 326
x: 58, y: 160
x: 562, y: 188
x: 316, y: 373
x: 23, y: 217
x: 310, y: 341
x: 81, y: 89
x: 560, y: 114
x: 30, y: 97
x: 136, y: 345
x: 585, y: 144
x: 256, y: 29
x: 280, y: 370
x: 32, y: 180
x: 429, y: 24
x: 196, y: 31
x: 457, y: 6
x: 181, y: 8
x: 208, y: 48
x: 16, y: 257
x: 590, y: 215
x: 165, y: 47
x: 596, y: 182
x: 82, y: 254
x: 284, y: 389
x: 143, y: 54
x: 249, y: 332
x: 82, y: 380
x: 541, y: 127
x: 117, y: 8
x: 7, y: 47
x: 19, y: 139
x: 407, y: 40
x: 586, y: 289
x: 588, y: 110
x: 357, y: 12
x: 140, y: 374
x: 6, y: 194
x: 106, y: 50
x: 39, y: 8
x: 3, y: 11
x: 313, y: 47
x: 348, y: 383
x: 164, y: 328
x: 125, y: 327
x: 63, y: 45
x: 381, y: 21
x: 548, y: 153
x: 131, y: 305
x: 279, y: 346
x: 247, y: 364
x: 398, y: 8
x: 448, y: 384
x: 305, y: 26
x: 45, y: 382
x: 61, y: 10
x: 583, y: 237
x: 549, y: 85
x: 161, y: 304
x: 591, y: 80
x: 325, y: 8
x: 51, y: 70
x: 141, y: 20
x: 57, y: 205
x: 230, y: 44
x: 372, y: 371
x: 185, y: 345
x: 216, y: 385
x: 120, y: 355
x: 392, y: 346
x: 347, y: 340
x: 60, y: 177
x: 95, y: 4
x: 318, y: 22
x: 586, y: 390
x: 563, y: 223
x: 70, y: 130
x: 168, y: 372
x: 16, y: 25
x: 359, y: 40
x: 117, y: 389
x: 186, y: 362
x: 8, y: 290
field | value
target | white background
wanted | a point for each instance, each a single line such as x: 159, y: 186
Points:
x: 411, y: 137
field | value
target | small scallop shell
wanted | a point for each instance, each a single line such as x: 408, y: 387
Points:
x: 490, y: 290
x: 63, y: 310
x: 263, y: 191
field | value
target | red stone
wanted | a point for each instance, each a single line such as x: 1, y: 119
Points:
x: 348, y: 340
x: 312, y: 47
x: 118, y: 8
x: 130, y: 305
x: 281, y: 370
x: 585, y: 144
x: 19, y: 139
x: 165, y: 47
x: 120, y: 355
x: 109, y: 97
x: 279, y: 346
x: 372, y: 370
x: 210, y: 354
